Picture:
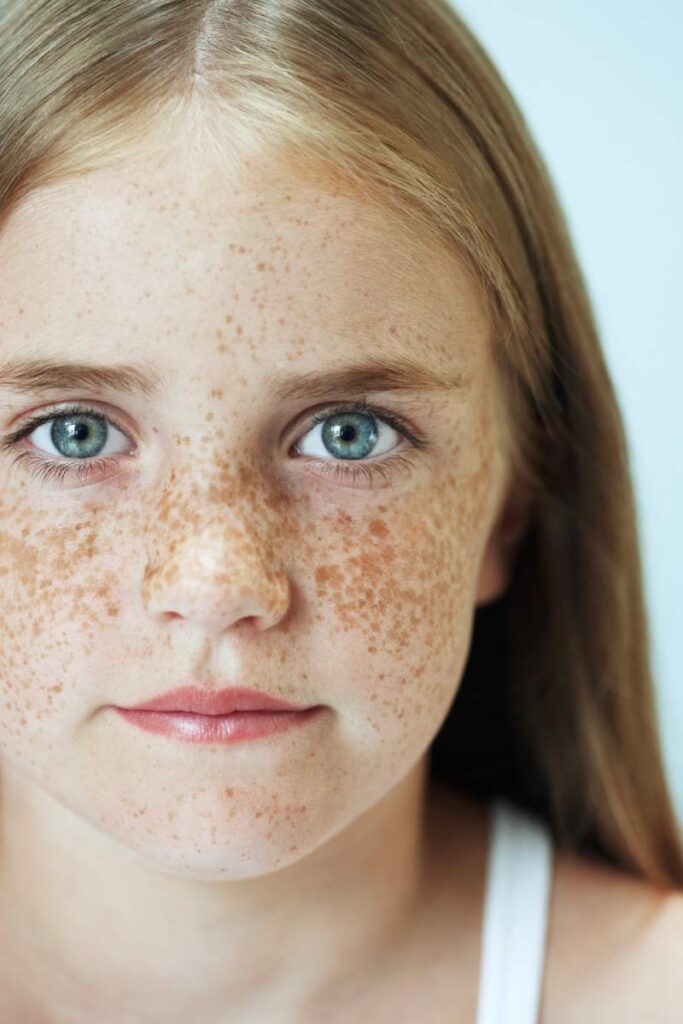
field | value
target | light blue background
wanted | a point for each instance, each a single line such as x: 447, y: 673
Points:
x: 601, y: 87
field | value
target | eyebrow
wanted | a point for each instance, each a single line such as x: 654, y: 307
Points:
x: 402, y: 374
x: 36, y: 376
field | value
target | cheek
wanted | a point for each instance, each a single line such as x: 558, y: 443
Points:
x: 58, y: 589
x: 397, y: 598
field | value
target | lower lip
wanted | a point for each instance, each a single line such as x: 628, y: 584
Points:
x: 233, y: 728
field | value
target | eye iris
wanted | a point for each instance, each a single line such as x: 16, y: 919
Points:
x: 354, y: 439
x: 69, y: 432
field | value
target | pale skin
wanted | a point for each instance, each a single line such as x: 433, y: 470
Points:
x: 305, y: 876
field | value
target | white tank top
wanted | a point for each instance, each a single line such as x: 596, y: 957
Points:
x: 518, y: 884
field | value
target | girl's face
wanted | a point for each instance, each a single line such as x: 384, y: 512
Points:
x: 202, y: 548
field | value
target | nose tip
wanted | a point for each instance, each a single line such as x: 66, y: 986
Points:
x: 223, y: 603
x: 216, y: 571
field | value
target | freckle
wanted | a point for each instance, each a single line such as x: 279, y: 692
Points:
x: 20, y: 310
x: 219, y: 333
x: 378, y: 528
x: 238, y: 329
x: 260, y: 265
x: 228, y: 791
x: 228, y: 319
x: 222, y: 348
x: 325, y: 574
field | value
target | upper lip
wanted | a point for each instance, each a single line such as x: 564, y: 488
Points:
x: 222, y: 702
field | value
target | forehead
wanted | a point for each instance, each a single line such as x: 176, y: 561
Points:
x: 175, y: 242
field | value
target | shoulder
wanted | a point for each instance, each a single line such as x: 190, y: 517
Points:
x: 614, y: 949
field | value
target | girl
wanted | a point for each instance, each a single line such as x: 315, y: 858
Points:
x: 325, y: 669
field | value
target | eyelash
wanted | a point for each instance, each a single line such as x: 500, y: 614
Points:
x: 46, y: 470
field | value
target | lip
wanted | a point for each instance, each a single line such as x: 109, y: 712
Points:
x: 192, y: 700
x: 227, y: 716
x: 235, y: 727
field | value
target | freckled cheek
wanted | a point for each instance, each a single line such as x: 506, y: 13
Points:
x: 58, y: 591
x: 397, y: 603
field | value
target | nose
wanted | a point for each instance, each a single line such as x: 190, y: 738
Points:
x: 216, y: 577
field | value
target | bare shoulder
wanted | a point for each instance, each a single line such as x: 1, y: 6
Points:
x: 614, y: 949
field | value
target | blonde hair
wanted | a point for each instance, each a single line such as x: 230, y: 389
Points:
x: 399, y: 100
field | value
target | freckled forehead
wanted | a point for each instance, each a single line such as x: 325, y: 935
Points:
x: 191, y: 236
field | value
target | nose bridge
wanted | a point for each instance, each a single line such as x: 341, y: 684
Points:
x: 210, y: 555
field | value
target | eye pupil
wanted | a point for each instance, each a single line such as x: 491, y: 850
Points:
x: 346, y: 433
x: 78, y: 431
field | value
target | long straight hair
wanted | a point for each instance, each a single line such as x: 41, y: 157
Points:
x: 556, y: 709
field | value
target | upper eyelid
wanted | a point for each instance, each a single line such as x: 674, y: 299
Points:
x: 37, y: 419
x: 64, y: 409
x: 322, y: 411
x: 393, y: 418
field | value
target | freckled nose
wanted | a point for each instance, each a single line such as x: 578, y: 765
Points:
x: 216, y: 582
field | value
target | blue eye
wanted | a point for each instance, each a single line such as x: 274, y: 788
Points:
x: 78, y: 433
x: 350, y: 433
x: 347, y: 435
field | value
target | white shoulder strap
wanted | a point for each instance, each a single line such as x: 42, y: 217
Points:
x: 519, y: 878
